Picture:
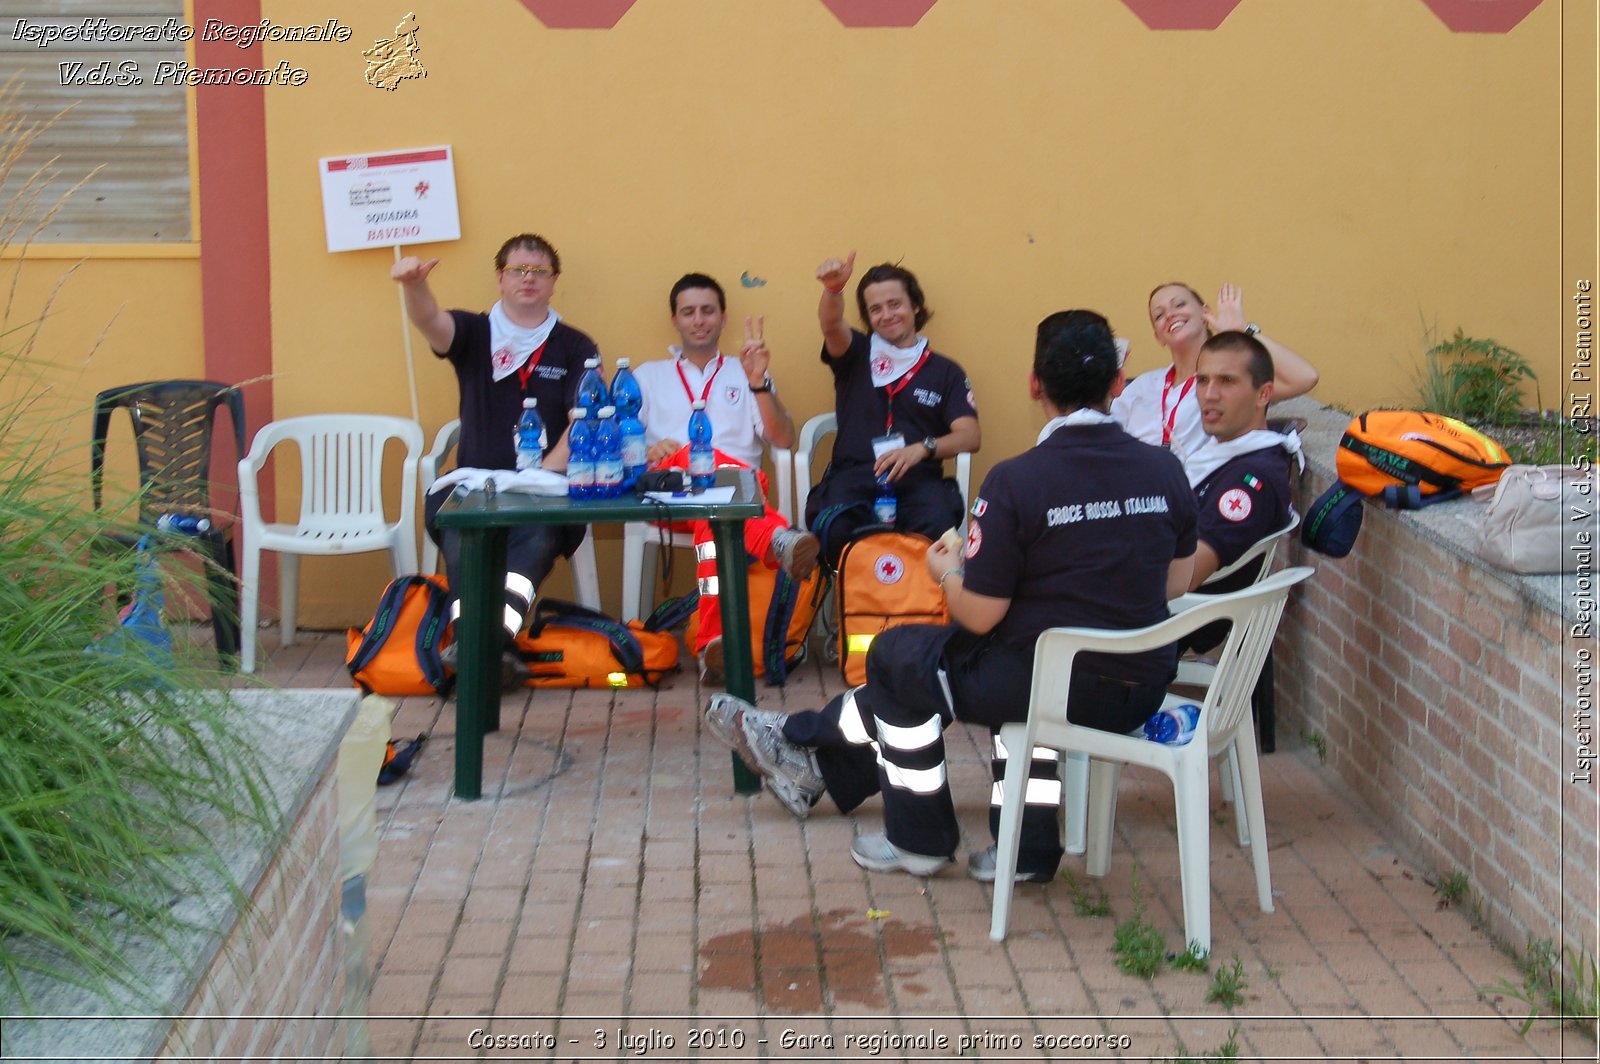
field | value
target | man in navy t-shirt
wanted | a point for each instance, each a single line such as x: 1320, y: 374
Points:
x: 1240, y: 473
x: 520, y: 349
x: 1088, y: 528
x: 902, y: 409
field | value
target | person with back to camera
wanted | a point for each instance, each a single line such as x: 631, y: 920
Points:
x: 902, y: 408
x: 520, y: 349
x: 1159, y: 406
x: 1089, y: 527
x: 745, y: 412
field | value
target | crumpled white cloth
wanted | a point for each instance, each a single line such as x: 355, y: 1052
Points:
x: 1213, y: 455
x: 526, y: 481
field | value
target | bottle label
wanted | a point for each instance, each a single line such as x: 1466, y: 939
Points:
x: 608, y: 472
x: 702, y: 463
x: 884, y: 511
x: 580, y: 473
x: 634, y: 452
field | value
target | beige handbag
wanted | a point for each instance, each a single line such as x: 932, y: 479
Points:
x: 1539, y: 519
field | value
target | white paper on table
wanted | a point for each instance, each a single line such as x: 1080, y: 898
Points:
x: 723, y: 494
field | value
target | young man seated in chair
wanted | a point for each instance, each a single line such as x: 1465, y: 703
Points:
x: 1090, y: 527
x: 1240, y: 473
x: 746, y: 414
x: 519, y: 349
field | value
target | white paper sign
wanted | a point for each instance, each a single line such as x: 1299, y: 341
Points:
x: 397, y: 197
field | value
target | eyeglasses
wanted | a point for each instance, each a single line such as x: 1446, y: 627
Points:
x: 525, y: 272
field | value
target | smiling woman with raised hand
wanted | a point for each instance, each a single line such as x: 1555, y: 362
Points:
x: 1159, y: 406
x: 902, y: 408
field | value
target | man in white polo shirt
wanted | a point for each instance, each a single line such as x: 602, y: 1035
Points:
x: 746, y: 415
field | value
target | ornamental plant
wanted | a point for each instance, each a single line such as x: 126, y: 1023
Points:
x: 111, y: 761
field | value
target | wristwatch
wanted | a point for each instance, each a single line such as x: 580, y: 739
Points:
x: 1252, y: 329
x: 764, y: 386
x: 932, y: 444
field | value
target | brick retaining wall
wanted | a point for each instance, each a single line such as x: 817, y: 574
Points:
x: 1444, y: 690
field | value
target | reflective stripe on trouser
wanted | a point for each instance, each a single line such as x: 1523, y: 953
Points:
x: 889, y: 738
x: 519, y: 599
x: 1043, y: 791
x: 757, y: 537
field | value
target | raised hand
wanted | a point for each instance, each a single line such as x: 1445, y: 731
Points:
x: 411, y: 269
x: 1229, y: 313
x: 835, y: 274
x: 754, y: 356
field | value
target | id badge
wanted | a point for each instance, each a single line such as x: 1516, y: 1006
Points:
x: 882, y: 445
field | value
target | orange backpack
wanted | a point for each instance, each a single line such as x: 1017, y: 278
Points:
x: 883, y: 582
x: 397, y: 653
x: 1406, y: 455
x: 568, y: 645
x: 781, y: 612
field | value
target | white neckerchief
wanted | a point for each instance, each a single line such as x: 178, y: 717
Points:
x: 1213, y: 454
x: 510, y: 344
x: 1084, y: 415
x: 889, y: 363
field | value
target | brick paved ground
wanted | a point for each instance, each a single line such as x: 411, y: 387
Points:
x: 610, y: 881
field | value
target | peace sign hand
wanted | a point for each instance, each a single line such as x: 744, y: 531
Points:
x: 754, y: 356
x: 834, y: 274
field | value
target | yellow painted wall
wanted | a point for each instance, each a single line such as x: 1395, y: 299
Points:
x: 86, y: 323
x: 1357, y: 167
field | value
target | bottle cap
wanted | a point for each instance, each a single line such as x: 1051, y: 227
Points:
x: 606, y: 411
x: 624, y: 363
x: 591, y: 363
x: 699, y: 404
x: 579, y: 413
x: 529, y: 404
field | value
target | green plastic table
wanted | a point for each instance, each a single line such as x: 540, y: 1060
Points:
x: 483, y: 520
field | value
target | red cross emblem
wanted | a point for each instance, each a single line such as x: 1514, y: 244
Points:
x: 502, y: 358
x: 889, y: 569
x: 421, y: 190
x: 1234, y: 505
x: 882, y: 366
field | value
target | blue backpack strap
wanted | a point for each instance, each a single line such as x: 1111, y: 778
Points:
x: 824, y: 528
x: 624, y: 644
x: 673, y: 612
x: 775, y: 632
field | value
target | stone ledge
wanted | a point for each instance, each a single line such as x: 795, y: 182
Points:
x: 300, y: 732
x: 1452, y: 525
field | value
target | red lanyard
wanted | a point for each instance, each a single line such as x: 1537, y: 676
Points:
x: 894, y: 388
x: 525, y: 370
x: 1167, y: 419
x: 690, y: 391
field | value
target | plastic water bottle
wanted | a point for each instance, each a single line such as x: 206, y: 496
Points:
x: 183, y: 524
x: 629, y: 400
x: 607, y: 445
x: 530, y: 436
x: 1174, y: 726
x: 625, y: 393
x: 580, y: 462
x: 884, y: 505
x: 592, y: 391
x: 702, y: 462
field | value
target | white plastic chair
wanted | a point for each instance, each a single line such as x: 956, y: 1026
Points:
x: 1192, y: 672
x: 1224, y: 726
x: 585, y: 574
x: 639, y: 564
x: 341, y: 505
x: 805, y: 453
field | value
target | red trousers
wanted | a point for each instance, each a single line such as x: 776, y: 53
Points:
x: 757, y: 541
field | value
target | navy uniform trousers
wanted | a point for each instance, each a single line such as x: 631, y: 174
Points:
x: 887, y: 736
